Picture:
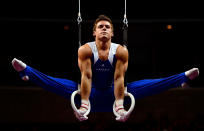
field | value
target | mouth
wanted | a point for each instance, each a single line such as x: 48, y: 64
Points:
x: 104, y: 33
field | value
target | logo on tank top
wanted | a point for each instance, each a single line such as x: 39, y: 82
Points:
x: 102, y: 68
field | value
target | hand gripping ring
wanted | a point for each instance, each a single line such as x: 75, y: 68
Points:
x: 131, y: 107
x: 74, y: 106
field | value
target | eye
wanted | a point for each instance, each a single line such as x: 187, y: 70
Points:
x: 100, y: 26
x: 108, y: 26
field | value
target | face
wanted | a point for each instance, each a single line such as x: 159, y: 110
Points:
x: 103, y: 30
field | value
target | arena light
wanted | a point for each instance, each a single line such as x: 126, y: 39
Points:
x: 169, y: 27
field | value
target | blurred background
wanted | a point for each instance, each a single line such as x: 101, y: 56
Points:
x: 164, y: 38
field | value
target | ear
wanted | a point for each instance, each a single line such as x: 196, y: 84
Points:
x: 112, y: 34
x: 94, y: 33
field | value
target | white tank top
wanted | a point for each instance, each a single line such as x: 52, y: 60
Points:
x: 111, y: 53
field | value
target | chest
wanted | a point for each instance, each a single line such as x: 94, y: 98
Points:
x: 103, y: 54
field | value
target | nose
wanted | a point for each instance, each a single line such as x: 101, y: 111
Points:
x: 104, y: 28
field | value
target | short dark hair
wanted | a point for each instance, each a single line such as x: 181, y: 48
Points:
x: 100, y: 18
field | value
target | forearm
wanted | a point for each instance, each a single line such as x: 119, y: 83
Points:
x: 119, y: 88
x: 85, y: 87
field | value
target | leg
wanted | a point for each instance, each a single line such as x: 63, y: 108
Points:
x: 58, y: 86
x: 150, y: 87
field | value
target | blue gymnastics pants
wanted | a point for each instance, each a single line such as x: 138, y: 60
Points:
x: 102, y: 100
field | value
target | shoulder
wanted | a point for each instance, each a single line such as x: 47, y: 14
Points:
x: 122, y: 53
x: 84, y: 51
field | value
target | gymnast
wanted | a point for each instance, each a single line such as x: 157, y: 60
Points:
x: 103, y: 65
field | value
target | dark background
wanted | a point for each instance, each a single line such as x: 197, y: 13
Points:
x: 34, y: 32
x: 45, y: 36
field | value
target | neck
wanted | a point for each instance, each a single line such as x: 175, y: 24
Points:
x: 103, y: 45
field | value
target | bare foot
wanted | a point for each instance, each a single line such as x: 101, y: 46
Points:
x: 18, y: 65
x: 192, y: 73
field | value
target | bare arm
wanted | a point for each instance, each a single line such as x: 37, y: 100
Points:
x: 84, y: 63
x: 120, y: 69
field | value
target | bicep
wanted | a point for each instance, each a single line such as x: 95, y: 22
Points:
x: 120, y: 69
x: 86, y: 68
x: 122, y: 62
x: 84, y: 62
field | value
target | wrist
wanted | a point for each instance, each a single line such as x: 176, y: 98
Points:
x: 84, y: 105
x: 119, y: 102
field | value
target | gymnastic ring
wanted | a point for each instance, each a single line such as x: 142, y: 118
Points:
x: 73, y: 104
x: 131, y: 107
